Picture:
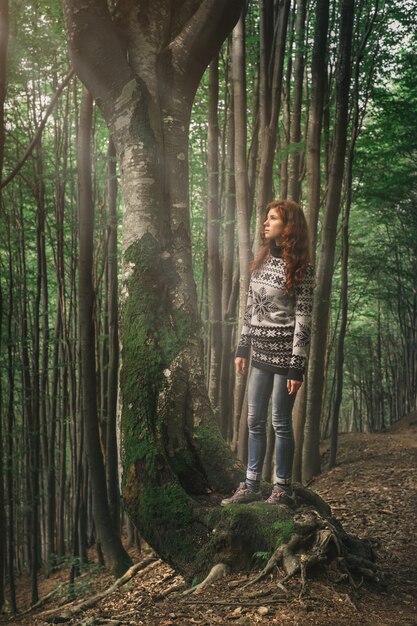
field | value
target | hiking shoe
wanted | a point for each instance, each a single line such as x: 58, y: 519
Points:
x: 280, y: 495
x: 242, y: 495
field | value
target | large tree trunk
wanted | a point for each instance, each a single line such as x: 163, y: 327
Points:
x: 172, y: 450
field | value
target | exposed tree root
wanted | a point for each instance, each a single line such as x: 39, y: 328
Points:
x: 216, y: 572
x: 318, y: 539
x: 57, y: 616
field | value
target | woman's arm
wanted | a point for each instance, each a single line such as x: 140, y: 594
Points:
x: 302, y: 326
x: 243, y: 348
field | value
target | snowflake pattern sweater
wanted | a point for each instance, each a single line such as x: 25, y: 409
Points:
x: 277, y: 325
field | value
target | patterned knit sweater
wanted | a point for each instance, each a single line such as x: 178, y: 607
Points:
x: 277, y: 325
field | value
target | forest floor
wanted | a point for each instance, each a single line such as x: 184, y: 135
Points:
x: 372, y: 491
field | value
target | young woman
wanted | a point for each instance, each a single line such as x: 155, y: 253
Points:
x: 277, y: 326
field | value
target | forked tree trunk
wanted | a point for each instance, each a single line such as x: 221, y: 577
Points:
x: 171, y: 448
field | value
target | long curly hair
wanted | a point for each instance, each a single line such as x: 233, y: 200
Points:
x: 294, y: 242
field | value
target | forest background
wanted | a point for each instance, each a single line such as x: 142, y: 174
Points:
x: 269, y: 119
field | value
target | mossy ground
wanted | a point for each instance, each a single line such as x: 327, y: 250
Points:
x: 240, y: 531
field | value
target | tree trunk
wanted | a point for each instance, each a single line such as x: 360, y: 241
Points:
x: 311, y: 454
x: 318, y: 72
x: 118, y: 559
x: 358, y: 116
x: 112, y: 475
x: 213, y: 237
x: 242, y: 201
x: 228, y: 301
x: 171, y: 447
x: 3, y: 531
x: 10, y: 433
x: 269, y: 130
x: 4, y: 38
x: 295, y: 158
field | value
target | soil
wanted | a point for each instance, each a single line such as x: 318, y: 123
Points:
x: 372, y: 491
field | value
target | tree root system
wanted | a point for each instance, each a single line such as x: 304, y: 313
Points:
x: 67, y: 612
x: 318, y: 540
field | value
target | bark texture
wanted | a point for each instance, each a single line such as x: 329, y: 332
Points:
x: 142, y: 66
x: 311, y: 454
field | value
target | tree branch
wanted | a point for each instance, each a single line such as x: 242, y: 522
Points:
x: 97, y: 54
x: 39, y: 130
x: 202, y: 36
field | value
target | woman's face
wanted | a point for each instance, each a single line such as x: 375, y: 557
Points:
x: 273, y: 225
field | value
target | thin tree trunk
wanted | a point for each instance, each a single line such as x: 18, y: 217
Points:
x: 318, y: 72
x: 4, y: 38
x: 112, y: 478
x: 295, y: 158
x: 213, y: 237
x: 318, y: 81
x: 3, y: 527
x: 242, y: 204
x: 358, y: 115
x: 269, y: 130
x: 311, y: 453
x: 228, y: 314
x: 118, y: 559
x: 10, y: 434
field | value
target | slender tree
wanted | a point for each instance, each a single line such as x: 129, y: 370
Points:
x: 112, y: 474
x: 4, y: 35
x: 242, y: 213
x: 313, y: 169
x: 311, y: 453
x: 109, y: 539
x: 213, y: 235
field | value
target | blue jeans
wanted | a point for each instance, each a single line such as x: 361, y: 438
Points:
x: 262, y: 384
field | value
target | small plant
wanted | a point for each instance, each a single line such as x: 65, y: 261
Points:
x: 260, y: 559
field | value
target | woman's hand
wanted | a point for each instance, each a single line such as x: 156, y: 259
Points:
x: 240, y: 365
x: 293, y: 386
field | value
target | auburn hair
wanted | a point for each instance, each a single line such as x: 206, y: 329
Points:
x: 294, y: 242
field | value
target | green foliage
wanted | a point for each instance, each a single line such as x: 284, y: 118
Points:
x: 260, y: 559
x: 383, y: 250
x: 151, y: 340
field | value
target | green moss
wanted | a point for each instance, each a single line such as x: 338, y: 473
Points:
x: 171, y: 505
x: 240, y: 531
x: 167, y: 519
x: 215, y: 455
x: 153, y: 335
x: 284, y: 529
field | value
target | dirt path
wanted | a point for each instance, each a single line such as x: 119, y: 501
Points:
x: 372, y: 491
